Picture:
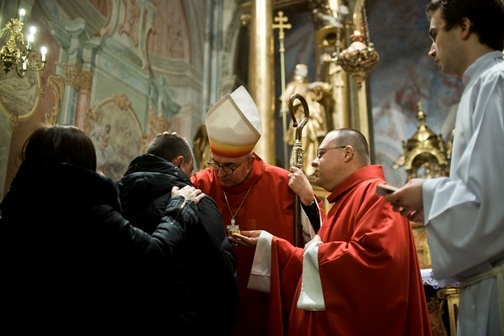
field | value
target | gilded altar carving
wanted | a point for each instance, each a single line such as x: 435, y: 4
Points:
x: 425, y: 153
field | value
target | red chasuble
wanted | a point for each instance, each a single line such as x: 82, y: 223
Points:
x: 269, y: 206
x: 367, y: 265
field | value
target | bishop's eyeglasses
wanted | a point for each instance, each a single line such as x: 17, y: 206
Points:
x: 322, y: 151
x: 227, y: 168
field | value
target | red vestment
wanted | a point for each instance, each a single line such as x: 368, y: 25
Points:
x: 269, y: 206
x: 367, y: 266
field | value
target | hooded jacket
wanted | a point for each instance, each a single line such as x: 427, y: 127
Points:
x: 206, y: 290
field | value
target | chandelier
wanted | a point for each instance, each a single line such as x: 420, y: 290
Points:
x: 16, y: 52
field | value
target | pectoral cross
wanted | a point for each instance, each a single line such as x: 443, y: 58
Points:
x: 233, y: 228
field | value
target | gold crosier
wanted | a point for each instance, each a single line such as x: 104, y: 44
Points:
x: 297, y: 159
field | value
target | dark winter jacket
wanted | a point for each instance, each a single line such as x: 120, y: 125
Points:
x: 207, y: 290
x: 69, y: 260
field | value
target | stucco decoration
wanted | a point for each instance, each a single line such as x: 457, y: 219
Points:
x: 128, y: 26
x: 19, y: 97
x: 58, y: 88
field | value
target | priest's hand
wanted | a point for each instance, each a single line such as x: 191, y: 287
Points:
x: 246, y: 238
x: 299, y: 183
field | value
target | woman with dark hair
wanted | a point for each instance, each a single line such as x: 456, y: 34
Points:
x: 66, y: 253
x: 59, y: 144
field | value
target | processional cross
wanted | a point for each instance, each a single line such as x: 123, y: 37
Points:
x: 281, y: 24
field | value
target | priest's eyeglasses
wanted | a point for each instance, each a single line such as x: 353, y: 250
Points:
x: 226, y: 168
x: 322, y: 151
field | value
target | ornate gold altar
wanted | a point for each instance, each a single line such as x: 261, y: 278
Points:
x: 426, y: 155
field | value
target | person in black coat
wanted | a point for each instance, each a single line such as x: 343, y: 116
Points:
x: 68, y: 258
x: 206, y: 291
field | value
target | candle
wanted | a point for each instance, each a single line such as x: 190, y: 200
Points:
x: 43, y: 52
x: 21, y: 14
x: 29, y: 39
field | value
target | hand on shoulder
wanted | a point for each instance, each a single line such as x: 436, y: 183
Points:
x: 189, y: 193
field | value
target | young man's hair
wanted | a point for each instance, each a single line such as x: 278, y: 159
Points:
x: 169, y: 146
x: 486, y: 16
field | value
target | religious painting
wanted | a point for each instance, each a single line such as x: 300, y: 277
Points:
x: 116, y: 133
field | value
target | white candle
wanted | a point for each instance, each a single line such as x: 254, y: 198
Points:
x: 29, y: 40
x: 43, y: 52
x: 21, y: 14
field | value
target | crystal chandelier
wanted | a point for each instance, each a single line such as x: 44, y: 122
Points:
x: 16, y: 52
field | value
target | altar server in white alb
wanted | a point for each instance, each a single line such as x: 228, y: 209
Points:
x: 464, y: 213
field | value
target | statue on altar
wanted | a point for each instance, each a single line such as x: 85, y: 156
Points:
x: 316, y: 128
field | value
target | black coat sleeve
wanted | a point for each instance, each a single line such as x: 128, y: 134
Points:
x: 179, y: 215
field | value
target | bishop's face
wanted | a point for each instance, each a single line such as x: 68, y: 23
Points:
x: 231, y: 171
